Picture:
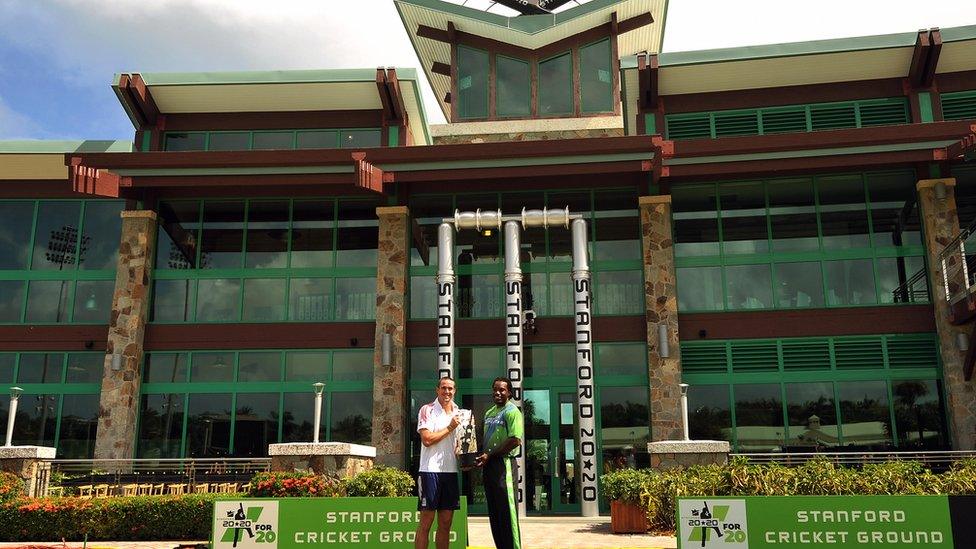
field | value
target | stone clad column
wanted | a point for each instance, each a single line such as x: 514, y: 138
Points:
x: 390, y: 382
x: 119, y: 402
x: 941, y: 226
x: 661, y: 307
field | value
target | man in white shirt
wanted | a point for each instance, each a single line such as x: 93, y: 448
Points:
x: 437, y: 483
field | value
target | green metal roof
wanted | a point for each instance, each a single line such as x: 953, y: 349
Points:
x: 38, y: 146
x: 956, y: 34
x: 309, y: 76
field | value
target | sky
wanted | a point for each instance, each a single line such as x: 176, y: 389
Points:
x: 57, y: 57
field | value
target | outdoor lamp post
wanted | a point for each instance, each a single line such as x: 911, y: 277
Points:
x: 15, y: 393
x: 319, y: 389
x: 684, y: 410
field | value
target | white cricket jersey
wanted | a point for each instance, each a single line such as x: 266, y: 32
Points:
x: 440, y: 457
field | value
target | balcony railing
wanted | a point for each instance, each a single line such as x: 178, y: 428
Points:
x: 935, y: 460
x: 958, y: 265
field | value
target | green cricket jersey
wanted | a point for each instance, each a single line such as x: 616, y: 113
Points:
x: 502, y: 424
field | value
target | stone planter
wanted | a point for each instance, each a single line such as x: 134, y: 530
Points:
x: 334, y: 459
x: 628, y: 518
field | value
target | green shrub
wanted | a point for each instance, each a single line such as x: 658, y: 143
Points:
x: 380, y: 482
x: 278, y: 484
x: 11, y: 487
x: 141, y: 518
x: 657, y: 491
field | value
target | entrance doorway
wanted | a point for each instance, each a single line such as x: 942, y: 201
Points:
x: 551, y: 471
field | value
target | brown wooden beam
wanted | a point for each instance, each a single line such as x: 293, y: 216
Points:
x: 424, y: 31
x: 297, y: 120
x: 785, y: 166
x: 932, y: 65
x: 441, y: 68
x: 384, y: 94
x: 396, y: 97
x: 647, y: 81
x: 53, y: 338
x: 920, y: 57
x: 635, y: 23
x: 423, y: 333
x: 284, y: 335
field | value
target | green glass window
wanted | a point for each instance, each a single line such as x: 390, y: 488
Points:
x: 850, y: 282
x: 357, y: 236
x: 165, y: 367
x: 799, y: 285
x: 699, y: 288
x: 792, y: 215
x: 512, y: 87
x: 208, y: 424
x: 351, y: 417
x: 843, y: 217
x: 918, y: 414
x: 47, y: 301
x: 865, y: 416
x: 229, y: 141
x: 181, y: 141
x: 161, y: 425
x: 7, y: 362
x: 619, y: 293
x: 12, y: 294
x: 16, y: 221
x: 274, y: 140
x: 355, y: 298
x: 310, y: 299
x: 695, y: 221
x: 748, y: 287
x: 709, y: 413
x: 759, y: 417
x: 255, y: 423
x: 217, y: 367
x: 743, y: 218
x: 93, y: 301
x: 223, y: 234
x: 812, y: 416
x: 596, y: 77
x: 624, y: 359
x: 472, y: 83
x: 264, y: 299
x: 349, y: 139
x: 261, y: 366
x: 317, y: 139
x: 556, y: 85
x: 267, y: 234
x: 307, y: 366
x: 78, y: 423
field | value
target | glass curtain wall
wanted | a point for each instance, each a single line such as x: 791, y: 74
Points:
x: 824, y: 241
x: 273, y: 140
x: 58, y: 260
x: 235, y: 403
x: 615, y: 255
x: 265, y: 260
x: 59, y: 406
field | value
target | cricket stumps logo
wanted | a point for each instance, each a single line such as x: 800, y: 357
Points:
x: 713, y: 523
x: 246, y: 524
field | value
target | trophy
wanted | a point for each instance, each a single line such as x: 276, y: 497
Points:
x: 465, y: 440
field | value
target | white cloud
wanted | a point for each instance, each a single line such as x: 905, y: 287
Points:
x: 15, y: 125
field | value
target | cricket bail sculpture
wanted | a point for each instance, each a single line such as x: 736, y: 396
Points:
x: 465, y: 440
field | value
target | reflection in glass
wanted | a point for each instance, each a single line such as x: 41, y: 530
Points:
x: 865, y: 419
x: 799, y: 285
x: 350, y: 417
x: 264, y: 299
x: 219, y: 300
x: 423, y: 297
x: 56, y: 236
x: 273, y: 140
x: 759, y: 417
x: 596, y: 77
x: 624, y: 431
x: 352, y: 366
x: 699, y: 289
x: 743, y: 218
x: 512, y: 83
x: 229, y: 141
x: 355, y: 298
x: 536, y: 408
x: 918, y: 415
x: 267, y: 235
x: 11, y: 300
x: 79, y: 422
x: 260, y: 366
x: 479, y: 296
x: 178, y: 234
x: 160, y: 426
x: 212, y: 367
x: 695, y: 220
x: 171, y: 300
x: 357, y: 238
x: 297, y: 418
x: 748, y: 287
x: 310, y: 299
x: 186, y: 141
x: 307, y: 366
x: 85, y: 368
x: 563, y: 360
x: 223, y: 234
x: 16, y: 219
x: 894, y: 209
x: 850, y: 282
x: 355, y: 139
x: 208, y: 425
x: 255, y: 424
x: 93, y: 301
x: 535, y: 291
x: 617, y: 230
x: 619, y: 293
x: 102, y: 228
x: 47, y: 301
x: 36, y: 422
x: 423, y: 365
x: 561, y: 294
x: 812, y: 417
x: 478, y: 362
x: 556, y: 85
x: 626, y: 359
x: 40, y: 368
x: 903, y: 280
x: 472, y: 84
x: 709, y: 413
x: 311, y: 233
x: 792, y: 215
x: 7, y: 361
x: 316, y: 139
x: 165, y: 368
x: 843, y: 214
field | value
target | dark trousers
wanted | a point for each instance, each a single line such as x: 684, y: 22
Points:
x: 499, y: 476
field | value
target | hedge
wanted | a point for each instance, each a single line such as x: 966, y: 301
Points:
x: 11, y: 487
x: 657, y: 491
x: 187, y: 517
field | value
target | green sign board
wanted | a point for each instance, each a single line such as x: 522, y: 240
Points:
x: 309, y: 523
x: 814, y: 521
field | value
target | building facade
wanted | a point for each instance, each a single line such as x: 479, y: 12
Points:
x: 776, y: 214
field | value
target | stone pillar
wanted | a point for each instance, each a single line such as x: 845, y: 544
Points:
x: 390, y: 382
x: 941, y: 226
x: 331, y: 459
x: 661, y: 307
x: 31, y: 463
x: 119, y: 402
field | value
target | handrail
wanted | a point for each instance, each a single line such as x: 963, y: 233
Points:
x: 905, y: 292
x: 956, y: 264
x: 940, y: 458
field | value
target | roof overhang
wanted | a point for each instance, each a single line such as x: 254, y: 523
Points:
x: 44, y: 160
x: 146, y: 96
x: 531, y: 32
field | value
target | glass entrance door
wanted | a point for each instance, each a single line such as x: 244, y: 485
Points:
x: 551, y: 474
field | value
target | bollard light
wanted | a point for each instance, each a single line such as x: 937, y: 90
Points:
x: 319, y: 389
x: 684, y: 410
x: 15, y: 393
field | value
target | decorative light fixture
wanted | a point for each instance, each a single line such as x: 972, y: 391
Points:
x: 962, y: 341
x: 486, y: 232
x: 116, y: 362
x: 684, y: 410
x: 663, y: 348
x: 319, y: 389
x: 91, y: 304
x: 940, y: 190
x: 15, y: 393
x: 386, y: 350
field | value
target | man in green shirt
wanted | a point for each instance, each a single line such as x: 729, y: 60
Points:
x: 504, y: 431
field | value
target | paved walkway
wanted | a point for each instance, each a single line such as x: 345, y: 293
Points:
x: 537, y: 533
